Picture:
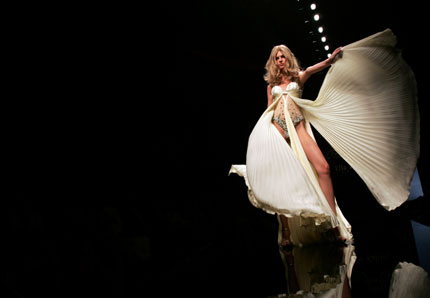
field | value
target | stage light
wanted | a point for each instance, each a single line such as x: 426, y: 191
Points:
x: 328, y: 55
x: 316, y: 17
x: 326, y: 48
x: 323, y: 39
x: 313, y: 6
x: 320, y: 29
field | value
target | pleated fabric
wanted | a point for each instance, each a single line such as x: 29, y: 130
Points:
x: 367, y: 111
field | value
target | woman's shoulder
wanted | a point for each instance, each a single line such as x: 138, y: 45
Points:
x: 301, y: 78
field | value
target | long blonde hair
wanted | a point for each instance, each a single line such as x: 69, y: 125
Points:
x: 291, y: 70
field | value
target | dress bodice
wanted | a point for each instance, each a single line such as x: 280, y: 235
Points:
x: 294, y: 111
x: 292, y: 88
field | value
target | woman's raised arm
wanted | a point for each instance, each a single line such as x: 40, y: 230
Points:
x: 304, y: 75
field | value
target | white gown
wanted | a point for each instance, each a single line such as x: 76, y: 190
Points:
x: 367, y: 111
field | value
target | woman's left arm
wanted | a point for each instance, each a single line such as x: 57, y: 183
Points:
x: 304, y: 75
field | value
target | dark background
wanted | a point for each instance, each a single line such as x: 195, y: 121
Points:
x: 123, y: 124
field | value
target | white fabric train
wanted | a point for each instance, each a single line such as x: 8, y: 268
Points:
x: 367, y: 111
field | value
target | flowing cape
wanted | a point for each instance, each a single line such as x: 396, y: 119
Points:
x: 367, y: 111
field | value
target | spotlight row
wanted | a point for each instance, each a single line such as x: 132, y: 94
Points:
x: 316, y: 17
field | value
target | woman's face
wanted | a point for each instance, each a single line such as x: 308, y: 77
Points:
x: 280, y: 60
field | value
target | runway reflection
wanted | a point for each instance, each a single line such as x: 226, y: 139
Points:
x: 318, y: 270
x: 325, y: 270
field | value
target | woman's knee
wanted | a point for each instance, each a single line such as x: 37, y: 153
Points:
x: 323, y: 168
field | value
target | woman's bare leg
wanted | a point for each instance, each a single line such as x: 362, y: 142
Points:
x: 317, y: 159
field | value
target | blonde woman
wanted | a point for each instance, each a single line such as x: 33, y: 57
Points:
x: 282, y: 69
x: 366, y: 109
